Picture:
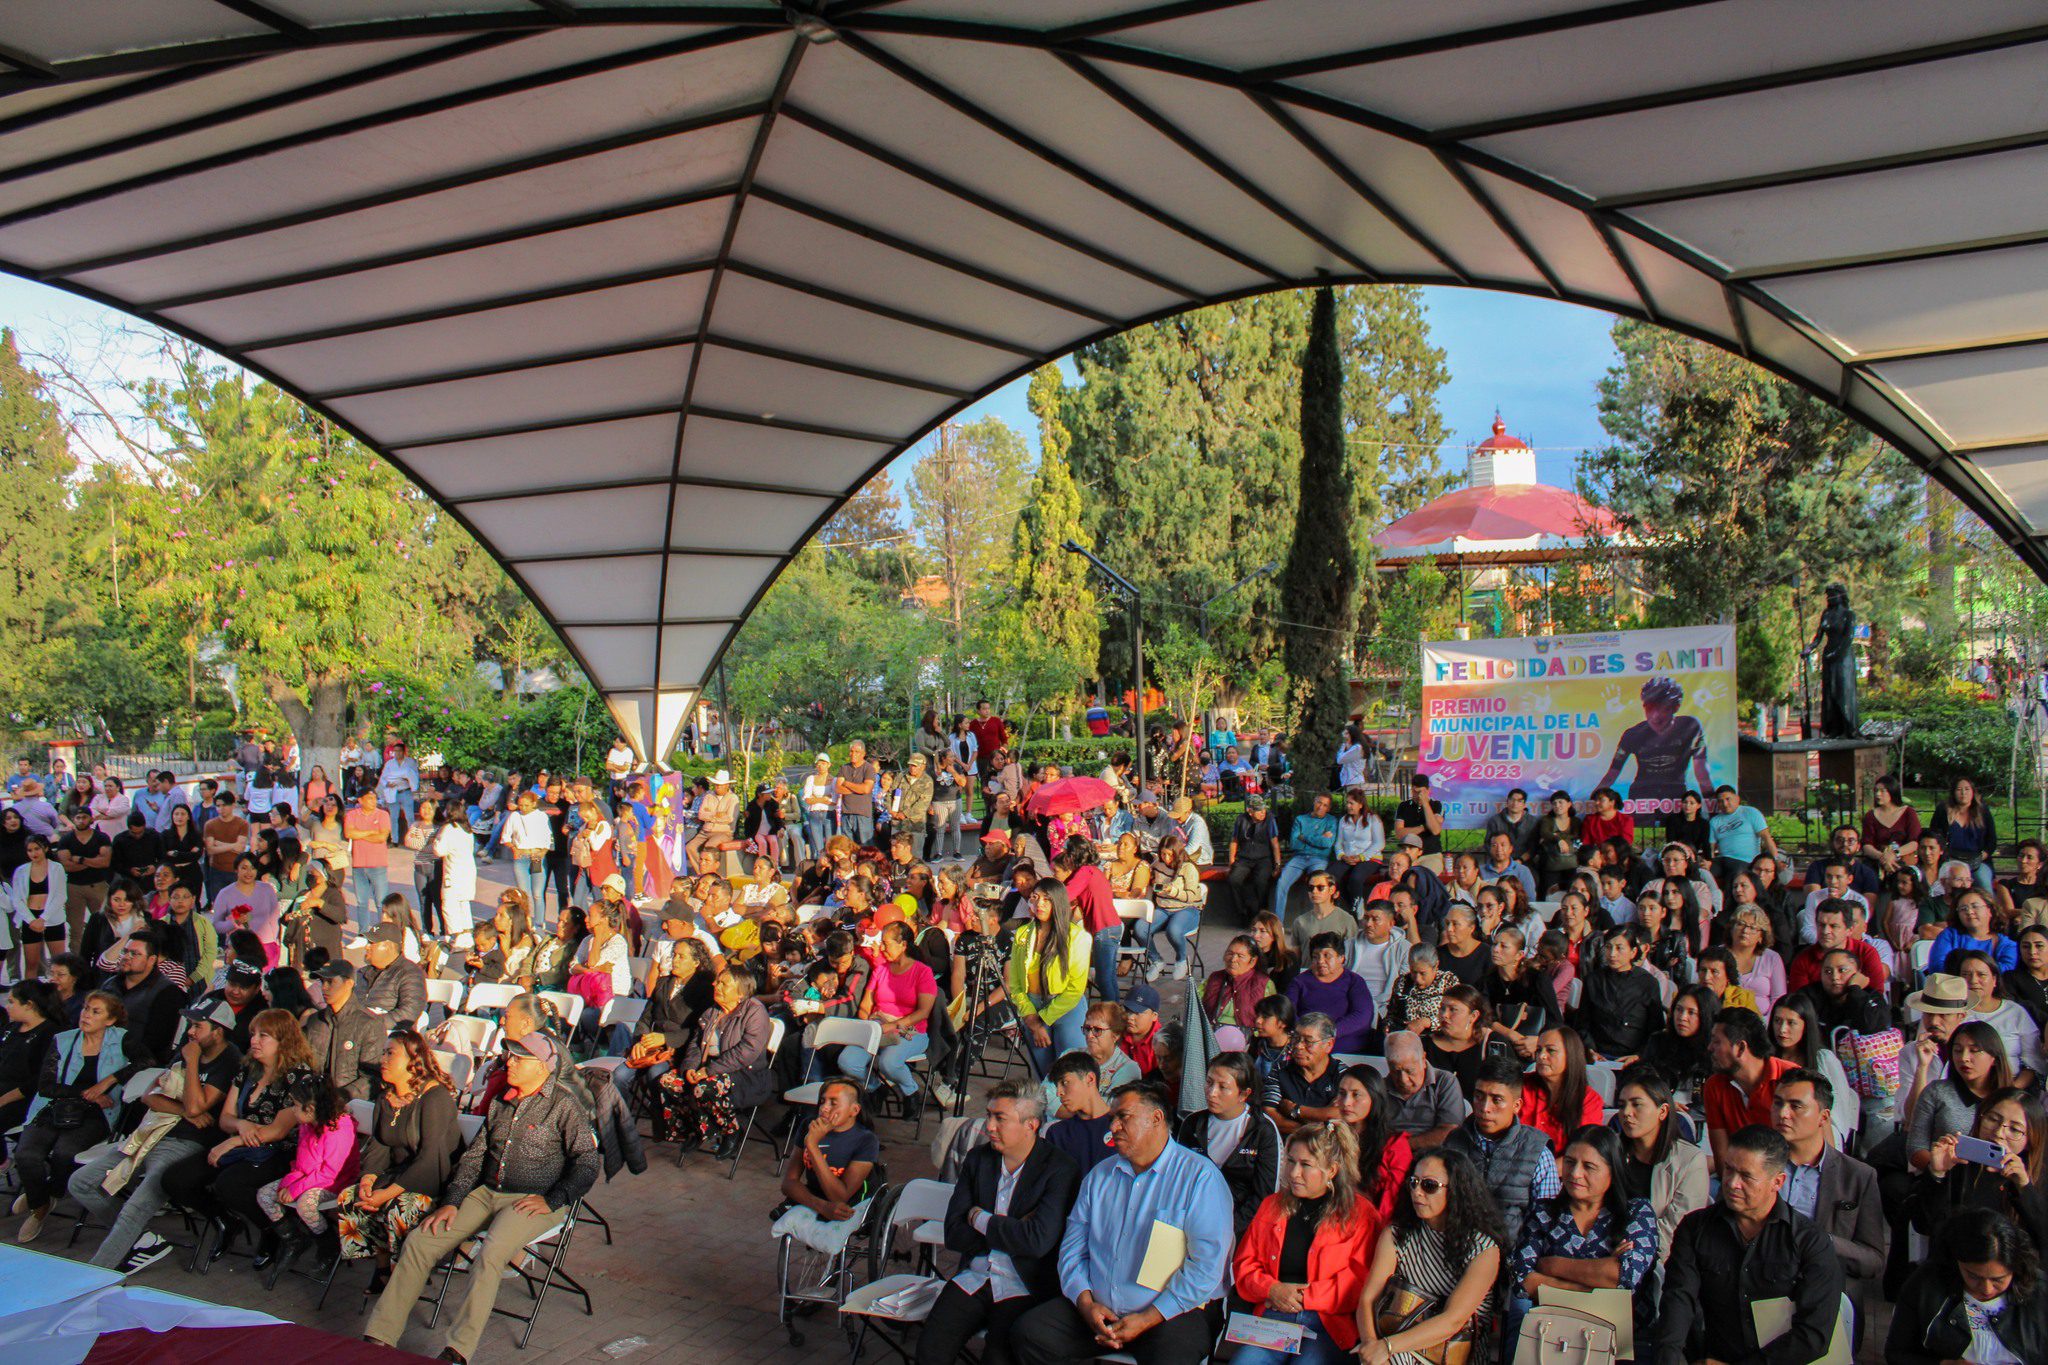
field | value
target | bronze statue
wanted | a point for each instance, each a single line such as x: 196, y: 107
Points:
x: 1835, y: 637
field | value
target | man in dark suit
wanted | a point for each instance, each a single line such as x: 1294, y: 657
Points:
x: 1008, y: 1212
x: 1838, y: 1192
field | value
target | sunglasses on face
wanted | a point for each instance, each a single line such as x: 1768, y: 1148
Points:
x: 1425, y: 1184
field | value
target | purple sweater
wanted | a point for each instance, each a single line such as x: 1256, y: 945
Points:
x: 1346, y: 1000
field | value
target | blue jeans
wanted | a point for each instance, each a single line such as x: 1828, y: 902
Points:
x: 405, y: 807
x: 372, y: 885
x: 622, y: 1080
x: 1316, y: 1346
x: 1291, y: 872
x: 817, y: 829
x: 1107, y: 941
x: 1178, y: 927
x: 1066, y: 1036
x: 892, y: 1061
x: 859, y: 828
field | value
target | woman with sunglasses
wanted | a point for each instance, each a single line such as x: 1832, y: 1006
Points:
x: 1434, y: 1271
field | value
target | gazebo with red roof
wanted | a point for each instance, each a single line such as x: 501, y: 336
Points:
x: 1502, y: 515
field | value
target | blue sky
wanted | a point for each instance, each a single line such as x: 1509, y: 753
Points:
x: 1534, y: 359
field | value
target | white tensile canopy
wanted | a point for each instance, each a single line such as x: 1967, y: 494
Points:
x: 642, y: 291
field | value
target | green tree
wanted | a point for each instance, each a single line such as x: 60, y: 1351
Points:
x: 1050, y: 608
x: 963, y: 494
x: 868, y: 534
x: 1731, y: 482
x: 1319, y: 585
x: 35, y: 521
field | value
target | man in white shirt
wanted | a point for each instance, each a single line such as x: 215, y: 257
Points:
x: 398, y: 786
x: 1008, y: 1212
x: 618, y: 762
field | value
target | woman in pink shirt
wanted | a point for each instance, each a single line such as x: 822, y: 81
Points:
x: 1094, y: 903
x: 110, y: 808
x: 900, y: 996
x: 249, y: 903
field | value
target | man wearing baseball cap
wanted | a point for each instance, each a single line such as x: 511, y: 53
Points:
x: 917, y: 792
x: 208, y: 1061
x: 242, y: 992
x: 348, y: 1039
x: 536, y: 1156
x: 393, y: 987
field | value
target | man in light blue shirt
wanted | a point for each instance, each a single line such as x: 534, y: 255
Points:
x: 1739, y: 832
x: 1500, y: 862
x: 1152, y: 1192
x: 154, y: 802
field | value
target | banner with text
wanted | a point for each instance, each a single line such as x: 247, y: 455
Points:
x: 1650, y: 713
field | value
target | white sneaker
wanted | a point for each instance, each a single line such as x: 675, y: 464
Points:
x: 1180, y: 970
x: 943, y: 1093
x: 1154, y: 970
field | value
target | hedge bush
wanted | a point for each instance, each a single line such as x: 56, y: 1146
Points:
x: 1954, y: 735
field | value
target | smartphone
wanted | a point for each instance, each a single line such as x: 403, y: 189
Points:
x: 1978, y: 1150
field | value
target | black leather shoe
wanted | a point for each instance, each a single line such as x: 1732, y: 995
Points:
x: 268, y: 1245
x: 221, y: 1234
x: 292, y: 1239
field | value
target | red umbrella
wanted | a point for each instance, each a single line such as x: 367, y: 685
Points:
x: 1069, y: 795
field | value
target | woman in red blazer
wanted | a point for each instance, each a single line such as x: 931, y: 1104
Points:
x: 1304, y: 1257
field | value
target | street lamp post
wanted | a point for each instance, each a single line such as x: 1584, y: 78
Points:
x: 1130, y: 591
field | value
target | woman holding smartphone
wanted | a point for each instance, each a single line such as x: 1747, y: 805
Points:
x: 1998, y: 1166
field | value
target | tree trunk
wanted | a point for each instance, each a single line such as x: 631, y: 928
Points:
x: 318, y: 718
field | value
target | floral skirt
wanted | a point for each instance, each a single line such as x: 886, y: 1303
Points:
x: 702, y: 1110
x: 366, y: 1232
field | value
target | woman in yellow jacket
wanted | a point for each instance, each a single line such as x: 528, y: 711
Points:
x: 1049, y: 975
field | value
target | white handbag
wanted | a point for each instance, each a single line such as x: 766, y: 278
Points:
x: 1552, y: 1335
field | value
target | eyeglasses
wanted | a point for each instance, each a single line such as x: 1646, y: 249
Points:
x: 1096, y: 1028
x: 1426, y: 1184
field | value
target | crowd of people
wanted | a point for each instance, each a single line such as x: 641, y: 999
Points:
x: 1449, y: 1089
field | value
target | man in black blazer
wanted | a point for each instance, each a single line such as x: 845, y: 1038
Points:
x: 1008, y: 1212
x: 1838, y: 1192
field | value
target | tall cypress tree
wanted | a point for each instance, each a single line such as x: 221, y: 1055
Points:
x: 1319, y: 586
x: 35, y: 518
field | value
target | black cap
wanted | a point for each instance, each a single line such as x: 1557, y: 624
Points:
x: 339, y: 969
x: 389, y: 933
x: 245, y: 973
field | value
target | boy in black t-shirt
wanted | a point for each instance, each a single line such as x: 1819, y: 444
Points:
x: 1421, y: 816
x: 87, y: 857
x: 1083, y: 1133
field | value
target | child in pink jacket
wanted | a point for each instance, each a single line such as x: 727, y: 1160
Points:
x: 325, y: 1162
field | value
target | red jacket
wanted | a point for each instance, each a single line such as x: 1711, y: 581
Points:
x: 989, y: 736
x: 1088, y: 891
x: 1338, y: 1260
x: 1597, y: 829
x: 1536, y: 1113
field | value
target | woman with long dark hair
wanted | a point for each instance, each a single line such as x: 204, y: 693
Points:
x: 1048, y: 977
x: 1679, y: 1049
x: 1980, y: 1297
x: 1435, y: 1269
x: 1797, y: 1036
x: 1966, y: 825
x: 1518, y: 997
x: 1977, y: 1070
x: 1384, y: 1152
x: 2014, y: 1121
x: 1276, y: 953
x: 1556, y: 1097
x: 1237, y: 1136
x: 1657, y: 1163
x: 408, y: 1154
x: 34, y: 1019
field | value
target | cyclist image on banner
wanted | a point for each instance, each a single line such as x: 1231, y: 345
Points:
x: 1662, y: 743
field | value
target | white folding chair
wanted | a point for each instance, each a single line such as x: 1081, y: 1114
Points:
x: 363, y: 1114
x: 469, y: 1125
x: 918, y: 1202
x: 445, y: 993
x: 640, y: 967
x: 479, y: 1036
x: 1573, y: 996
x: 491, y: 995
x: 835, y: 1032
x: 458, y: 1067
x: 622, y: 1009
x: 1600, y: 1076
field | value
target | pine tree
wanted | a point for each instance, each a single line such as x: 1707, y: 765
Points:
x: 963, y: 493
x: 35, y: 518
x: 1319, y: 585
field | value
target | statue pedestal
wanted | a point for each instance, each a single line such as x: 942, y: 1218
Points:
x: 1774, y: 774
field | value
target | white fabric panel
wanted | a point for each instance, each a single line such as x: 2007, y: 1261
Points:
x: 382, y: 160
x: 597, y: 590
x: 1415, y: 183
x: 734, y: 519
x: 71, y: 134
x: 1269, y: 35
x: 1954, y: 103
x: 1679, y: 292
x: 1669, y: 50
x: 584, y: 388
x: 635, y: 713
x: 833, y: 176
x: 623, y: 656
x: 1039, y: 95
x: 868, y: 99
x: 715, y: 585
x: 636, y: 448
x: 621, y: 315
x: 1246, y: 138
x: 1943, y: 302
x: 670, y: 237
x: 687, y: 653
x: 1977, y: 199
x: 671, y: 713
x: 733, y: 381
x: 366, y: 98
x: 1566, y: 240
x: 791, y: 244
x: 1980, y: 397
x: 714, y: 449
x: 555, y: 523
x: 1783, y: 345
x: 63, y: 30
x: 771, y: 315
x: 2022, y: 476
